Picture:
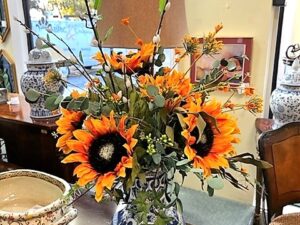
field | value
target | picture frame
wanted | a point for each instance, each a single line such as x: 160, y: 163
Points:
x: 4, y: 20
x: 8, y: 73
x: 238, y: 50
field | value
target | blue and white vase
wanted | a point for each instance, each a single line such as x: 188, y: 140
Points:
x: 154, y: 182
x: 39, y: 63
x: 285, y: 99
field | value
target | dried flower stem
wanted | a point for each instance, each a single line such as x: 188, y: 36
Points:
x: 99, y: 42
x: 194, y: 62
x: 158, y: 33
x: 87, y: 76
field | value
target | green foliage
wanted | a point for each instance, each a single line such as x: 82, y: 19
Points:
x: 215, y: 183
x: 32, y: 95
x: 162, y: 5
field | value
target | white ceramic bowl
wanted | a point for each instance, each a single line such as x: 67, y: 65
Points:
x: 29, y: 197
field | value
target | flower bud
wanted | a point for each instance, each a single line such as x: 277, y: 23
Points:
x: 94, y: 42
x: 168, y: 6
x: 156, y: 39
x: 124, y: 99
x: 128, y: 83
x: 106, y: 68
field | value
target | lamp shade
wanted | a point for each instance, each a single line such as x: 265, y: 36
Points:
x: 144, y: 19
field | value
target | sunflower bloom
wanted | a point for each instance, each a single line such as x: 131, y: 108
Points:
x: 210, y: 150
x: 104, y: 151
x: 67, y: 123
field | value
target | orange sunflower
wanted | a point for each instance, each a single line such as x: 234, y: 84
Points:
x: 171, y: 82
x: 67, y: 123
x: 103, y: 150
x: 215, y: 144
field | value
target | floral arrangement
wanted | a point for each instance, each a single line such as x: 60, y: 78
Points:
x: 138, y: 117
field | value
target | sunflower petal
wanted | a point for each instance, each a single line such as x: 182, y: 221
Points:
x: 83, y: 136
x: 189, y: 152
x: 99, y: 189
x: 75, y: 157
x: 108, y: 180
x: 77, y: 146
x: 87, y: 178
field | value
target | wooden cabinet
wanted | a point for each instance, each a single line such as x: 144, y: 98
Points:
x: 30, y: 144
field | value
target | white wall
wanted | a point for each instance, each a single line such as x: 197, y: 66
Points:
x: 241, y: 18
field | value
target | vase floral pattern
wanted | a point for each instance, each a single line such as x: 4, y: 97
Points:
x: 285, y: 99
x: 38, y: 66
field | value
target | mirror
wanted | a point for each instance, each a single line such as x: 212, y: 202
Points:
x: 8, y: 78
x: 4, y: 23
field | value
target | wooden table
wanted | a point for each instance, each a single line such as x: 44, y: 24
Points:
x: 30, y: 143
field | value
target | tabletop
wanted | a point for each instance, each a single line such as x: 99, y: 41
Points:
x: 20, y: 113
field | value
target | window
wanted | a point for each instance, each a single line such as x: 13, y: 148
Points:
x: 61, y: 16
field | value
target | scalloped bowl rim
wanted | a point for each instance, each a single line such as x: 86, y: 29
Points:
x: 53, y: 206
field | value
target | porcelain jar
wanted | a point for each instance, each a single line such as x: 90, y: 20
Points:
x: 40, y: 62
x: 155, y: 181
x: 29, y: 197
x: 285, y: 99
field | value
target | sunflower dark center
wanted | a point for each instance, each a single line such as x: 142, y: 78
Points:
x: 106, y: 152
x: 204, y: 145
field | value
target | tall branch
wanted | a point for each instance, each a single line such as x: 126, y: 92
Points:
x: 99, y: 43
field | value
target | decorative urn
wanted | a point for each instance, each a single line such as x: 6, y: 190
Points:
x: 285, y: 99
x: 29, y: 197
x: 39, y: 64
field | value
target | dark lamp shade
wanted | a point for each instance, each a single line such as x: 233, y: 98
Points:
x: 144, y: 20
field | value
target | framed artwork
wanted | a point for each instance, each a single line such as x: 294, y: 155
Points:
x: 8, y: 77
x: 237, y: 51
x: 4, y: 22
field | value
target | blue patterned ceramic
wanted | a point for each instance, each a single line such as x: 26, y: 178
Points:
x: 123, y: 215
x: 39, y: 63
x: 285, y: 100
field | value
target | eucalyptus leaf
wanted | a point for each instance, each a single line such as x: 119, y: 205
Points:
x: 159, y: 101
x: 215, y: 183
x: 162, y: 5
x: 50, y: 103
x: 152, y: 90
x: 59, y: 99
x: 80, y: 56
x: 158, y: 62
x: 160, y: 50
x: 156, y: 158
x: 210, y: 191
x: 177, y: 189
x: 162, y: 57
x: 32, y: 95
x: 183, y: 162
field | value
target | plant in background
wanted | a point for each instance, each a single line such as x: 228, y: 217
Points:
x: 139, y: 122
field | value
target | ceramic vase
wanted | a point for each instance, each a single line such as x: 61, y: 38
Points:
x: 29, y: 197
x: 285, y: 99
x: 154, y: 182
x: 39, y: 63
